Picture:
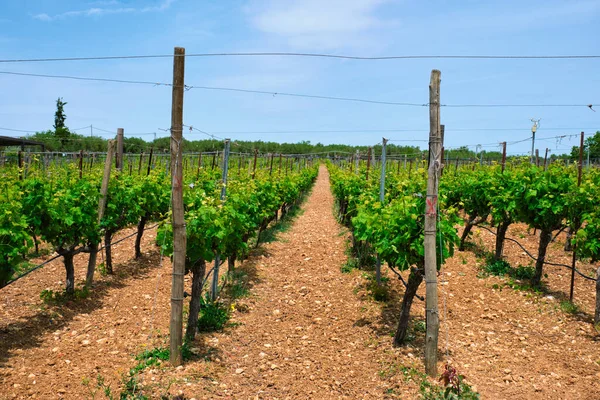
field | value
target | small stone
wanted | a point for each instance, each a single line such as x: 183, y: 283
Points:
x: 85, y: 342
x: 54, y: 350
x: 273, y: 366
x: 31, y: 376
x: 239, y: 370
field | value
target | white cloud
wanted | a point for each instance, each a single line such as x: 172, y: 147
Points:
x: 101, y: 11
x: 319, y: 24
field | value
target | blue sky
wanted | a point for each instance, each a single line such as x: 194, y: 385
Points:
x: 50, y: 28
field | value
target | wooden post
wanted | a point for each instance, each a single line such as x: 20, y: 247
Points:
x: 546, y: 159
x: 254, y: 167
x: 503, y: 156
x: 150, y: 160
x: 89, y: 279
x: 573, y: 232
x: 368, y: 162
x: 215, y: 277
x: 280, y: 158
x: 431, y: 307
x: 214, y: 162
x: 271, y: 167
x: 381, y: 200
x: 20, y: 163
x: 119, y: 158
x: 140, y: 165
x: 537, y: 157
x: 199, y: 166
x: 179, y: 235
x: 597, y: 313
x: 80, y: 163
x: 442, y: 128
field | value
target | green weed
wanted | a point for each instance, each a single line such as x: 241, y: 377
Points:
x: 213, y: 315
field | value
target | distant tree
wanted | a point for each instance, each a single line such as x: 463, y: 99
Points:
x: 592, y: 144
x: 60, y: 130
x: 59, y: 115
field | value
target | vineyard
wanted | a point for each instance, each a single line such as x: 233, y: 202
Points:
x: 240, y: 273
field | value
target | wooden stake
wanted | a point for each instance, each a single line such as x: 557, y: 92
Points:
x: 431, y: 307
x: 80, y: 163
x: 503, y: 156
x: 368, y: 162
x: 179, y: 235
x: 597, y: 313
x: 546, y: 159
x: 89, y: 279
x: 119, y: 158
x: 271, y: 167
x: 150, y: 160
x: 140, y: 165
x: 20, y: 163
x: 254, y: 167
x: 279, y: 172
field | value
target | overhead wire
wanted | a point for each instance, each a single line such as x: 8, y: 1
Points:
x: 311, y: 55
x: 300, y: 95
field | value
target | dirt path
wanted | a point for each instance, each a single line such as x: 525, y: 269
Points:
x: 305, y: 335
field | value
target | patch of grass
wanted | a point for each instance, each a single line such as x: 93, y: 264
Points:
x: 102, y: 269
x: 238, y: 287
x: 379, y: 292
x: 213, y: 315
x: 420, y: 326
x: 453, y: 386
x: 350, y: 265
x: 523, y: 272
x: 497, y: 268
x: 569, y: 307
x: 50, y: 297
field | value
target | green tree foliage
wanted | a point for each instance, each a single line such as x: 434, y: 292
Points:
x: 60, y: 129
x: 591, y: 144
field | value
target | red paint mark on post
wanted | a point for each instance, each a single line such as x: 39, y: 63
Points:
x: 431, y: 205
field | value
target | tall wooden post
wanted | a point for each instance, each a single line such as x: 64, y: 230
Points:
x: 119, y: 158
x: 503, y: 156
x: 279, y: 171
x: 215, y: 277
x: 271, y: 166
x: 179, y: 235
x: 597, y: 313
x: 573, y: 232
x: 381, y: 199
x: 357, y: 161
x: 369, y: 162
x: 442, y: 129
x: 89, y: 279
x: 546, y: 159
x: 254, y: 166
x: 150, y: 160
x: 20, y: 164
x: 80, y: 164
x: 537, y: 157
x: 431, y: 307
x: 140, y: 164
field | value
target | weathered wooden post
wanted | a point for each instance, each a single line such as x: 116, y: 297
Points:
x: 119, y: 158
x: 179, y: 235
x: 215, y: 280
x: 431, y: 307
x: 89, y: 279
